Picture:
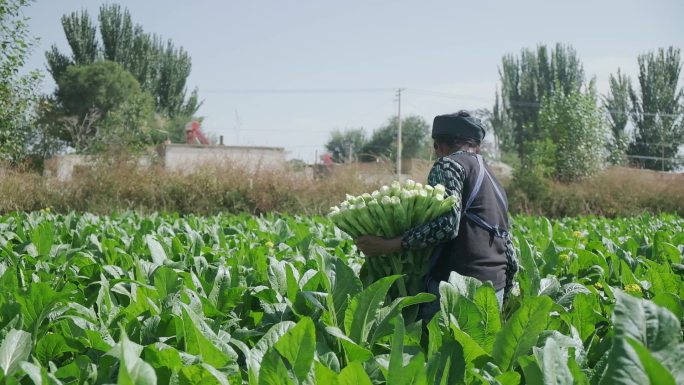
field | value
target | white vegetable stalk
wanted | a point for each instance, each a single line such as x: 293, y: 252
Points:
x: 389, y: 212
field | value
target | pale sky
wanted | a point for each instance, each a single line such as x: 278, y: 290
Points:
x: 249, y: 57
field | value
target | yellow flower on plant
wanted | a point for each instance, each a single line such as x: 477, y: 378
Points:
x: 564, y: 258
x: 578, y: 234
x: 633, y: 288
x: 598, y: 285
x: 269, y: 244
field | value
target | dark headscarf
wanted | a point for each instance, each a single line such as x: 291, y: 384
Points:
x: 458, y: 125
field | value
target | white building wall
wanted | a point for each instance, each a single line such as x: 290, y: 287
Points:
x: 187, y: 157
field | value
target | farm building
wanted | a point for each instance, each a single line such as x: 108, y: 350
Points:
x: 181, y: 157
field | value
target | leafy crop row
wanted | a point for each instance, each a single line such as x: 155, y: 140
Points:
x: 277, y: 300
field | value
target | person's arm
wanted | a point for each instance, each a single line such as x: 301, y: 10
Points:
x: 451, y: 175
x: 511, y: 264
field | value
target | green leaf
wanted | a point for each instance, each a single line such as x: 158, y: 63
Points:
x: 549, y: 286
x: 360, y: 315
x: 626, y: 366
x: 353, y: 374
x: 292, y: 277
x: 663, y: 251
x: 662, y: 278
x: 490, y: 318
x: 265, y: 343
x: 42, y: 236
x: 472, y: 351
x: 156, y: 250
x: 396, y: 360
x: 197, y: 375
x: 565, y: 343
x: 277, y: 276
x: 657, y: 373
x: 15, y: 348
x: 386, y: 315
x: 554, y: 363
x: 653, y: 326
x: 82, y: 367
x: 414, y: 373
x: 447, y: 366
x: 584, y: 316
x: 675, y: 363
x: 132, y: 370
x: 163, y: 356
x: 465, y: 286
x: 509, y: 378
x: 38, y: 303
x: 167, y: 281
x: 528, y: 276
x: 324, y: 375
x: 223, y: 295
x: 521, y: 331
x: 345, y: 285
x: 670, y: 302
x: 51, y: 347
x: 355, y: 352
x: 490, y: 374
x: 201, y: 341
x: 434, y: 335
x: 568, y: 293
x: 531, y: 370
x: 297, y: 346
x: 39, y: 375
x: 273, y: 371
x: 578, y: 375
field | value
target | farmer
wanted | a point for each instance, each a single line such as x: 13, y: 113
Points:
x: 473, y: 239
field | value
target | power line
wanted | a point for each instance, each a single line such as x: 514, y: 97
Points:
x: 446, y: 95
x: 298, y: 90
x: 651, y: 157
x: 628, y: 113
x: 416, y: 91
x: 519, y: 103
x: 286, y: 130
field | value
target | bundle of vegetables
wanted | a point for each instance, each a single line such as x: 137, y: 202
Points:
x: 389, y: 212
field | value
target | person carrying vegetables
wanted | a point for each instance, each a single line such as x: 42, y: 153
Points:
x: 473, y: 238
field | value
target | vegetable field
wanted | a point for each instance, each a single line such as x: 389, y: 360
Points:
x: 160, y: 299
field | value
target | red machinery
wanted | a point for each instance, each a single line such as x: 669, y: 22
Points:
x: 194, y: 134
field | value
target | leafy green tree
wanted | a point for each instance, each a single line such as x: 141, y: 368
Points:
x: 160, y: 68
x: 414, y: 137
x: 342, y: 142
x: 577, y: 130
x: 525, y: 81
x: 17, y: 93
x: 101, y: 103
x: 618, y: 103
x: 658, y: 112
x: 532, y: 179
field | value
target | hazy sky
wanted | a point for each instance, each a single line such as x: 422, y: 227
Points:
x: 445, y: 53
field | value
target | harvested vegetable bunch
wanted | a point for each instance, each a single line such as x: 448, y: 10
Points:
x: 389, y: 212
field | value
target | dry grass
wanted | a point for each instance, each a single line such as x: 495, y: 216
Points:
x: 118, y: 186
x: 617, y: 191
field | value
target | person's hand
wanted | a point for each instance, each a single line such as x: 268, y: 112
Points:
x: 373, y: 246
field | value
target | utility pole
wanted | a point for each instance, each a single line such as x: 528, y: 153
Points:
x: 399, y: 132
x: 349, y: 154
